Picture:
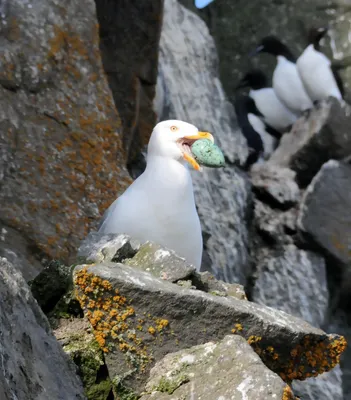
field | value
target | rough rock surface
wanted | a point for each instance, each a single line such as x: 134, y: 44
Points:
x: 229, y: 369
x: 34, y: 366
x: 314, y: 140
x: 129, y: 36
x: 137, y: 319
x: 325, y: 216
x: 189, y: 89
x: 276, y: 185
x: 294, y: 281
x: 60, y: 135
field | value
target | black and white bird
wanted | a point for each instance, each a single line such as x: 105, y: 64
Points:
x: 274, y: 112
x: 261, y: 139
x: 286, y: 80
x: 316, y: 71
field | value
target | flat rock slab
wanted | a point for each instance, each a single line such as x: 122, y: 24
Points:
x: 325, y: 212
x: 137, y: 319
x: 34, y: 366
x: 229, y: 369
x: 314, y: 140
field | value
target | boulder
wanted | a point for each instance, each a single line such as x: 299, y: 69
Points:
x: 325, y: 218
x: 228, y: 369
x: 60, y: 135
x: 34, y: 366
x: 129, y: 37
x: 138, y: 318
x: 294, y: 281
x: 188, y: 88
x: 315, y: 139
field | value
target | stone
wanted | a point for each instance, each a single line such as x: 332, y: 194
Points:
x: 161, y: 263
x: 98, y: 247
x: 188, y: 71
x: 60, y: 134
x: 327, y: 386
x: 79, y: 343
x: 315, y: 139
x: 51, y: 284
x: 228, y: 369
x: 138, y: 318
x: 325, y: 218
x: 276, y: 186
x: 129, y: 37
x: 34, y: 365
x: 294, y: 281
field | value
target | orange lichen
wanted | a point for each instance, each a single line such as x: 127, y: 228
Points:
x: 151, y: 330
x: 288, y: 394
x: 254, y: 339
x: 238, y: 328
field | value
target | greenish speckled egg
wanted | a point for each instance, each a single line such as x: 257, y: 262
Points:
x: 208, y: 154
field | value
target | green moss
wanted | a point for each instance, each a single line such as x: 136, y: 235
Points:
x: 123, y: 393
x: 99, y: 391
x: 170, y: 385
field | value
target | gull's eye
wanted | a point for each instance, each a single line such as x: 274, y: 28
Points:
x: 173, y: 128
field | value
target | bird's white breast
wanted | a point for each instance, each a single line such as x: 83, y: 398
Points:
x: 288, y: 86
x: 269, y: 142
x: 316, y: 75
x: 272, y: 109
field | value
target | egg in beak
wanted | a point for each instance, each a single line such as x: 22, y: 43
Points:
x: 185, y: 144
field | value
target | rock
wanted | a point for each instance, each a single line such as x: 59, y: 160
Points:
x: 274, y: 225
x: 79, y: 343
x: 129, y: 37
x: 137, y: 319
x: 34, y: 366
x: 60, y: 134
x: 314, y: 140
x: 161, y: 263
x: 325, y: 218
x: 51, y: 284
x: 327, y: 386
x: 223, y: 370
x: 188, y: 70
x: 98, y: 247
x: 208, y: 283
x: 276, y: 186
x: 294, y: 281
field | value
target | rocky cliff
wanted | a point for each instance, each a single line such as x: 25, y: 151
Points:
x: 266, y: 313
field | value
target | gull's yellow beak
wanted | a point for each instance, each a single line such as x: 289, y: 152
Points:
x: 192, y: 138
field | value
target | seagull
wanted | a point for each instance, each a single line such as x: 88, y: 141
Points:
x: 286, y: 80
x: 274, y: 112
x: 316, y: 72
x: 159, y: 206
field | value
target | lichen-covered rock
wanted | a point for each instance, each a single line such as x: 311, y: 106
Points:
x: 79, y: 343
x: 60, y: 134
x: 276, y: 186
x: 294, y: 281
x: 229, y: 369
x: 325, y: 217
x: 34, y: 366
x: 137, y: 319
x: 189, y: 89
x: 314, y: 140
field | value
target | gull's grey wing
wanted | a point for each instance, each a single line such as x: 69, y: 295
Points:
x: 106, y: 214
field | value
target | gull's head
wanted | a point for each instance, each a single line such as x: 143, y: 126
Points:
x: 173, y: 139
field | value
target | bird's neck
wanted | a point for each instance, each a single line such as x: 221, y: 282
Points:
x: 168, y: 173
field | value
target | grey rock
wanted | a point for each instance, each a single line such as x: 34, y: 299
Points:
x: 314, y: 140
x: 60, y: 135
x: 327, y: 386
x: 208, y: 283
x: 98, y: 247
x: 294, y: 281
x: 229, y: 369
x: 325, y: 217
x: 161, y: 263
x: 34, y: 366
x: 275, y: 185
x: 274, y: 224
x: 188, y: 88
x: 148, y: 318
